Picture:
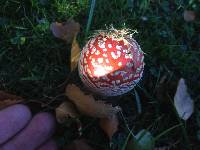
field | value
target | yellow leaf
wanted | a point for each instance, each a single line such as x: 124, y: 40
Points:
x: 65, y: 110
x: 68, y: 31
x: 75, y: 54
x: 86, y: 104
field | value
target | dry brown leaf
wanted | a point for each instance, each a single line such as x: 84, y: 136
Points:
x: 80, y: 144
x: 75, y: 54
x: 7, y: 102
x: 5, y: 95
x: 189, y: 15
x: 65, y: 110
x: 86, y: 103
x: 109, y: 125
x: 66, y: 30
x: 7, y: 99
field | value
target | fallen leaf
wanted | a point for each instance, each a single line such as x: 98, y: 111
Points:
x: 75, y: 54
x: 86, y: 104
x: 80, y: 144
x: 65, y: 110
x: 5, y: 95
x: 189, y: 15
x: 182, y: 101
x: 7, y: 102
x: 109, y: 125
x: 7, y: 99
x: 66, y: 30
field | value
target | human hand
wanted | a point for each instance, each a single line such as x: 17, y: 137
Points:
x: 19, y: 131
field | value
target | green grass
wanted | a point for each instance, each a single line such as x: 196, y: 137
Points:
x: 34, y: 64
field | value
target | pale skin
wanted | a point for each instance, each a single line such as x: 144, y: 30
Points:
x: 19, y: 130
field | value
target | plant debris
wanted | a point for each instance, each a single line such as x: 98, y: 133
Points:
x: 65, y: 110
x: 86, y: 104
x: 7, y: 99
x: 66, y: 30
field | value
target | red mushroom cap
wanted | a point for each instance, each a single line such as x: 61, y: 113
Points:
x: 111, y: 65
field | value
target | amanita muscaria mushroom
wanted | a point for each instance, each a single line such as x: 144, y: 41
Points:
x: 111, y: 63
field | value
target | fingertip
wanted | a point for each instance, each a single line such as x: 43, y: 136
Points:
x: 45, y: 122
x: 12, y: 120
x: 39, y: 130
x: 23, y: 111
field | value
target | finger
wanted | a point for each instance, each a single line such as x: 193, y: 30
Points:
x: 49, y: 145
x: 37, y: 132
x: 12, y: 120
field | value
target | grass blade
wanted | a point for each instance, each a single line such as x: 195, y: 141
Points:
x: 92, y: 6
x: 166, y: 131
x: 138, y: 102
x: 184, y: 132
